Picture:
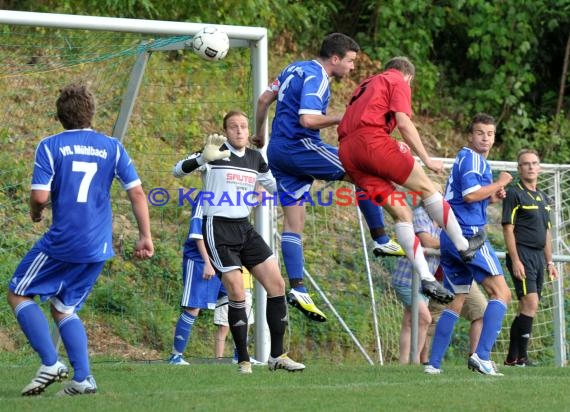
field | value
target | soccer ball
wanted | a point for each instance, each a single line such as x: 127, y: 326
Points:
x: 211, y: 44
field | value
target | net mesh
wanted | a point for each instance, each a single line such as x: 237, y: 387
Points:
x: 134, y: 306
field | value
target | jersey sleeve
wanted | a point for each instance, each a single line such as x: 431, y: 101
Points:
x: 510, y: 206
x: 265, y: 177
x: 401, y: 99
x: 195, y: 231
x: 274, y: 87
x: 125, y: 169
x: 549, y: 204
x: 314, y: 95
x: 43, y: 168
x: 470, y: 175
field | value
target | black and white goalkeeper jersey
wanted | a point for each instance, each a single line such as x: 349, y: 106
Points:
x: 229, y: 184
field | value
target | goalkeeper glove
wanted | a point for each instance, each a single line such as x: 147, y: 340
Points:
x: 212, y: 150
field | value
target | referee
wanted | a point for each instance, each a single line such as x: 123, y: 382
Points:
x: 526, y: 228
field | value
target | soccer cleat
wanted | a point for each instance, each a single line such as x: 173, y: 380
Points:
x: 431, y: 370
x: 434, y: 289
x: 177, y: 360
x: 475, y: 244
x: 305, y: 304
x: 45, y: 376
x: 284, y: 362
x: 253, y: 361
x: 390, y: 248
x: 85, y: 387
x: 484, y: 367
x: 524, y: 362
x: 244, y: 367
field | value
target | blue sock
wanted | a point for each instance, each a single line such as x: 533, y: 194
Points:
x: 373, y: 214
x: 492, y: 321
x: 442, y: 337
x: 182, y: 331
x: 292, y: 250
x: 74, y: 339
x: 35, y: 326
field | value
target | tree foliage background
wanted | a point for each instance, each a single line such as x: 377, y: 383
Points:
x: 505, y: 57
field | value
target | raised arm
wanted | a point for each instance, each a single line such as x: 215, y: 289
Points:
x: 263, y: 104
x: 210, y: 153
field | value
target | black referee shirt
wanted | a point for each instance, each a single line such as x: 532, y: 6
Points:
x: 529, y: 212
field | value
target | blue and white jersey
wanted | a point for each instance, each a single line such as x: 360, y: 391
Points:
x: 194, y: 232
x: 78, y: 168
x: 469, y: 173
x: 301, y: 88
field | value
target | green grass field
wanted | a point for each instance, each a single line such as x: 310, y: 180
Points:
x: 321, y: 387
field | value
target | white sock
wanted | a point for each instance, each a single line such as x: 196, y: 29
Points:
x: 439, y: 210
x: 413, y: 248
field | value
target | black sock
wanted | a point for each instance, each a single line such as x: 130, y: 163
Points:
x: 525, y: 329
x: 513, y: 354
x: 295, y: 282
x: 237, y: 319
x: 276, y: 314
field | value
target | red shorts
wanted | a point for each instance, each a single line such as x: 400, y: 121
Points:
x: 374, y: 164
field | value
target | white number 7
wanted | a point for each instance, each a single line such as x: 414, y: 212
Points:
x: 89, y: 169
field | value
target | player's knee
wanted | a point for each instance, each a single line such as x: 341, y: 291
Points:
x: 504, y: 295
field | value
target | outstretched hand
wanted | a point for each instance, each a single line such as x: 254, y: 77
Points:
x: 212, y: 150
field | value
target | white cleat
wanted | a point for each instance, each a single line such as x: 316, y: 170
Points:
x: 45, y: 376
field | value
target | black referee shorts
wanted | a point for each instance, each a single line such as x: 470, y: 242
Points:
x: 534, y: 267
x: 233, y: 243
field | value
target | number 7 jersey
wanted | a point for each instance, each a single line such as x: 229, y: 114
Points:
x: 78, y: 168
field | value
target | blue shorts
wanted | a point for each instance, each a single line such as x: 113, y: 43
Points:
x: 198, y: 292
x: 458, y: 275
x: 295, y: 164
x: 404, y: 294
x: 65, y: 284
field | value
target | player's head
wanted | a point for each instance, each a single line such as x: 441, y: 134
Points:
x: 528, y: 164
x: 403, y: 65
x: 236, y: 128
x: 75, y: 106
x: 481, y: 133
x: 339, y: 51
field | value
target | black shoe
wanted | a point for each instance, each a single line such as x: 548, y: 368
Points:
x: 475, y: 244
x: 524, y: 362
x: 510, y: 362
x: 433, y: 289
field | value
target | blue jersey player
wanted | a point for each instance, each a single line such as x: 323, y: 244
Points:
x: 201, y: 285
x: 470, y: 189
x: 76, y: 169
x: 297, y: 155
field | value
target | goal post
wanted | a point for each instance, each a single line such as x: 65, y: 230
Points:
x: 252, y: 38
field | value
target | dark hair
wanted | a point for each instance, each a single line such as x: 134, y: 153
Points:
x: 402, y: 64
x: 337, y: 44
x: 75, y: 106
x: 232, y: 113
x: 482, y: 118
x: 526, y: 151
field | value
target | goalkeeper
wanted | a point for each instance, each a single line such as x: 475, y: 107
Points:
x: 232, y: 242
